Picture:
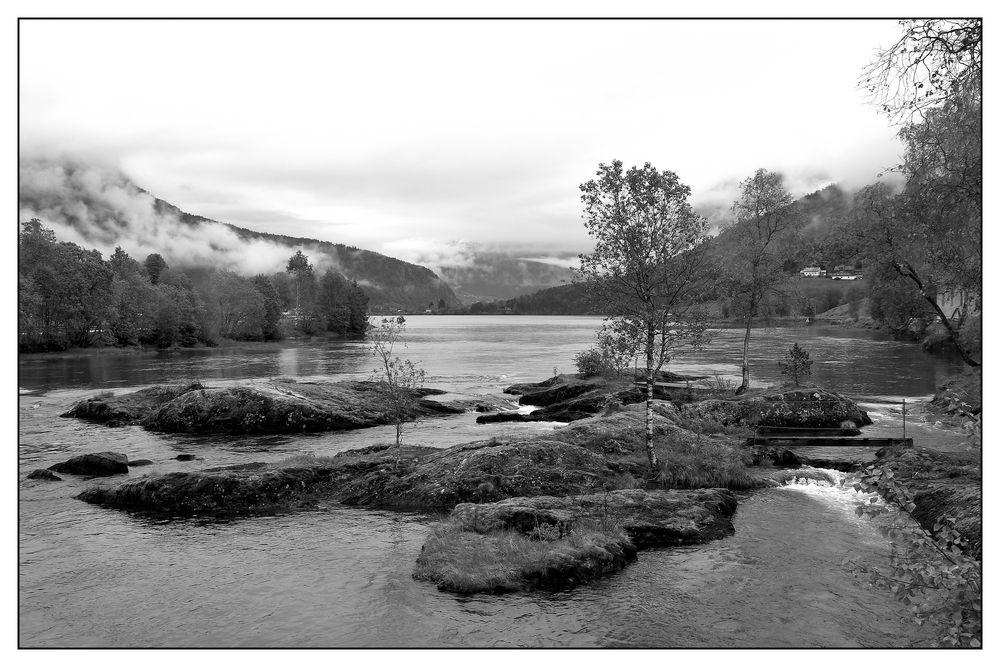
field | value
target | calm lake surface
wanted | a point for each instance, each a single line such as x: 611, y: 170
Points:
x: 341, y: 576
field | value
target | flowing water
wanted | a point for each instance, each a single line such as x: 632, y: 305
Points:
x: 341, y: 576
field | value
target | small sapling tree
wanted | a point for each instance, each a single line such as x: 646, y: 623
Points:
x: 398, y: 377
x: 796, y: 365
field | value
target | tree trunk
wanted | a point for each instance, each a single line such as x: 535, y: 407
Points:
x: 653, y: 463
x: 966, y: 357
x: 746, y: 359
x: 907, y: 271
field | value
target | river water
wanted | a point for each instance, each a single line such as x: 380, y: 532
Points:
x: 341, y: 576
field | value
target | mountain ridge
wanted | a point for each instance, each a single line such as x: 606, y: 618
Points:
x: 105, y: 208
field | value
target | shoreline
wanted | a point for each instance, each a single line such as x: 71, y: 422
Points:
x: 112, y: 350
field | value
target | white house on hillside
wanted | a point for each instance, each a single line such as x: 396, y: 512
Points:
x: 813, y: 272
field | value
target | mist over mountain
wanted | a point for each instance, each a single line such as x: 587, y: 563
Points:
x: 493, y: 275
x: 819, y: 238
x: 102, y: 208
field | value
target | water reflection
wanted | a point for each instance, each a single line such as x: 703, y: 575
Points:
x: 288, y: 361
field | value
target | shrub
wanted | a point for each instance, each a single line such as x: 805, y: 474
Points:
x: 590, y: 363
x: 929, y: 571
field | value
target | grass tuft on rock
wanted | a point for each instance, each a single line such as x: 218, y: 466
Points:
x: 701, y: 462
x: 463, y: 561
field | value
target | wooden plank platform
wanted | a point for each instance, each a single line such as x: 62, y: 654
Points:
x: 671, y: 385
x: 791, y: 441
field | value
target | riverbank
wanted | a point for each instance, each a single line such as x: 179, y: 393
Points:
x: 296, y: 338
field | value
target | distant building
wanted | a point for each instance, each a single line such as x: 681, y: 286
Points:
x: 846, y: 272
x: 813, y: 272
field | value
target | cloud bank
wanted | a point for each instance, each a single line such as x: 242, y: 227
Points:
x: 99, y: 207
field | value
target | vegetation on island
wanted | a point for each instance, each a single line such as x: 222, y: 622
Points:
x: 72, y: 297
x: 647, y: 267
x: 796, y: 365
x: 400, y: 379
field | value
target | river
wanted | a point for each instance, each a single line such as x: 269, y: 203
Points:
x: 341, y: 576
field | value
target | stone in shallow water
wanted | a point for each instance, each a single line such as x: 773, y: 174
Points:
x: 43, y: 474
x: 100, y: 464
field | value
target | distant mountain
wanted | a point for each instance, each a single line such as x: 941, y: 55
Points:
x: 570, y: 299
x: 819, y: 237
x: 100, y: 208
x: 487, y: 276
x: 823, y: 214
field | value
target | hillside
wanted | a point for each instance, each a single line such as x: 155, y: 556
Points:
x: 488, y: 276
x: 819, y: 239
x: 569, y: 299
x: 100, y: 208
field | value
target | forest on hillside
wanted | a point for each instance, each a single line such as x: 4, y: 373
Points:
x: 69, y: 296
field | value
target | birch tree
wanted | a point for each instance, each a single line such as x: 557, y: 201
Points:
x: 764, y: 213
x: 930, y: 234
x: 646, y: 264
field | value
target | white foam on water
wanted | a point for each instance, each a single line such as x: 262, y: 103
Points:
x: 839, y: 495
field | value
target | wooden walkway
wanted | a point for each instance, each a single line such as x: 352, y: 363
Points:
x: 831, y: 441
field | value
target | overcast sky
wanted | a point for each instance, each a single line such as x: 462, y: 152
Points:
x: 405, y: 137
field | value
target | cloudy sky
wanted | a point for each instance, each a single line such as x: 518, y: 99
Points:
x: 406, y: 137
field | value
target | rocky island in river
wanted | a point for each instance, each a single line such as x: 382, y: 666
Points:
x: 577, y: 502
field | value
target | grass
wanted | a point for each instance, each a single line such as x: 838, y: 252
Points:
x: 463, y: 561
x: 694, y: 453
x: 702, y: 462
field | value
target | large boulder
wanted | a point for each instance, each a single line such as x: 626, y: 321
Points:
x: 596, y: 454
x: 411, y: 477
x: 267, y: 407
x: 800, y: 408
x: 650, y: 518
x: 561, y: 391
x: 463, y: 561
x: 101, y: 464
x: 285, y: 408
x: 482, y: 472
x: 568, y: 398
x: 128, y: 408
x: 557, y: 542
